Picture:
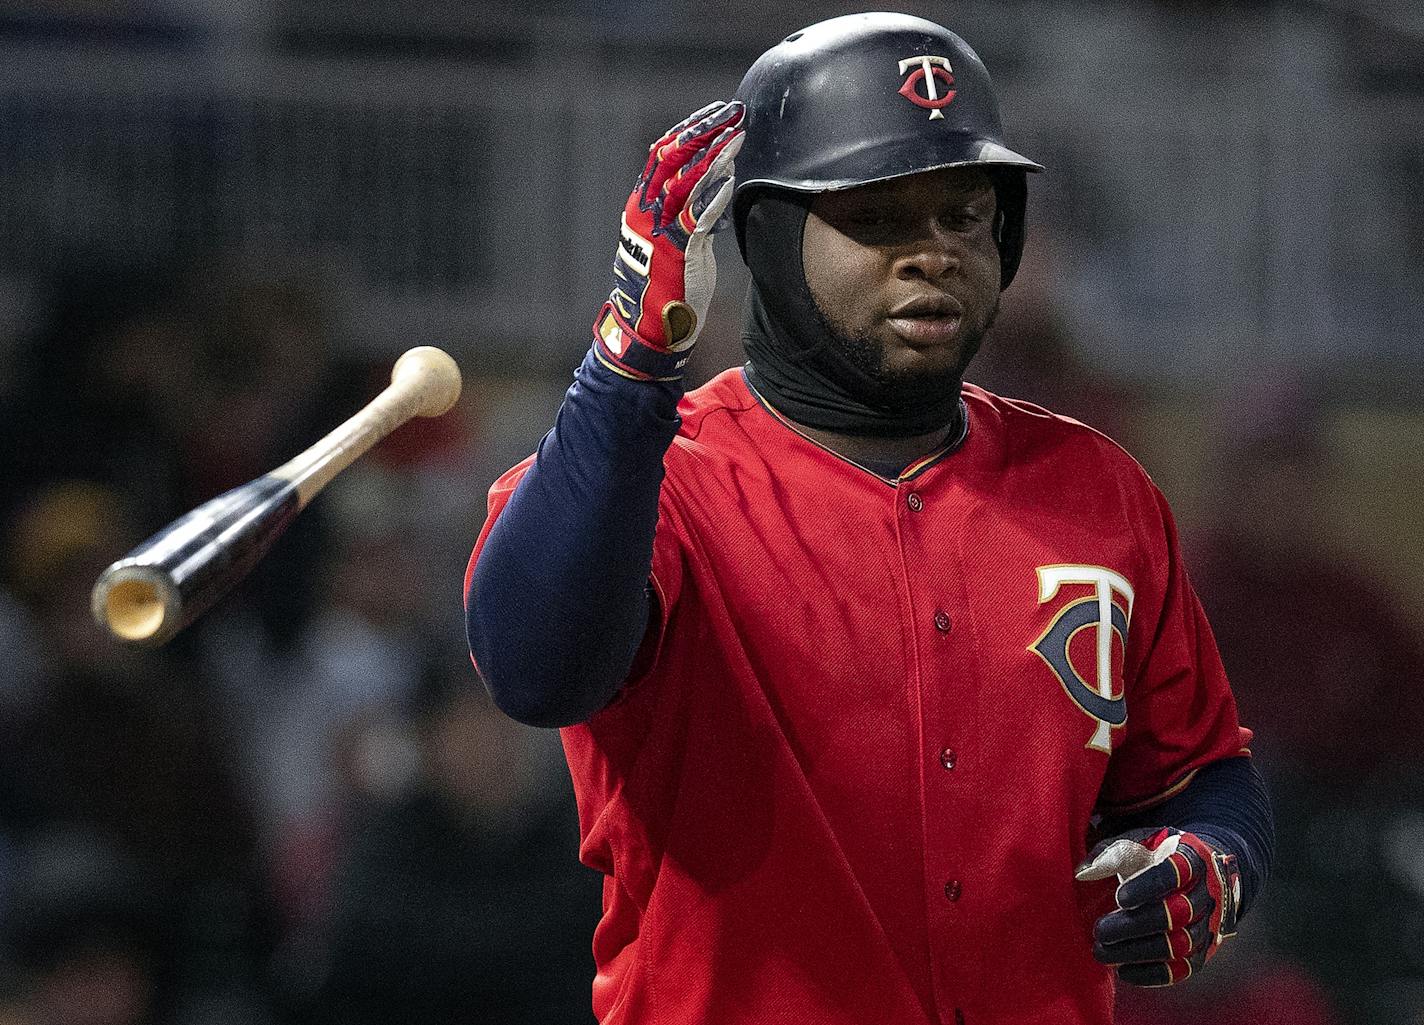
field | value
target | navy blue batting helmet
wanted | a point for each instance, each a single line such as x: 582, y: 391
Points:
x: 868, y: 97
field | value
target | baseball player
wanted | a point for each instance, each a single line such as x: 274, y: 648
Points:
x: 885, y: 698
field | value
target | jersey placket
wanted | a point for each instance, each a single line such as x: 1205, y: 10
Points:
x: 931, y: 514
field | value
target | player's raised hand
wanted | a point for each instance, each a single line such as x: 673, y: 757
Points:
x: 664, y: 272
x: 1178, y: 900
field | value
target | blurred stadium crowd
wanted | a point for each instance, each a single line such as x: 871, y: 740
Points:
x: 304, y: 810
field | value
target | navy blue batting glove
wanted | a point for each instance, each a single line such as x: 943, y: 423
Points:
x: 1177, y: 901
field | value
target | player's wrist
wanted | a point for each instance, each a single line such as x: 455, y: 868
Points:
x: 620, y: 348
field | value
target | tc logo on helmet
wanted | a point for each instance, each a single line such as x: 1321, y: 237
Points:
x: 929, y: 69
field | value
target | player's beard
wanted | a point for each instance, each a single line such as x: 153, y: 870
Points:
x: 868, y: 355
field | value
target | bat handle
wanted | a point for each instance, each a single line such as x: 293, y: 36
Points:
x: 425, y: 381
x: 430, y: 377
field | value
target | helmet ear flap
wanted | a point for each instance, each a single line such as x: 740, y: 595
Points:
x: 1011, y: 195
x: 742, y: 201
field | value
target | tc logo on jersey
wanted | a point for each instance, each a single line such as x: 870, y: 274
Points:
x: 929, y: 69
x: 1057, y: 645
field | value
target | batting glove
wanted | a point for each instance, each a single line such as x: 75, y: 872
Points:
x: 664, y: 271
x: 1177, y: 901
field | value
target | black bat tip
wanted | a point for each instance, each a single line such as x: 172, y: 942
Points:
x: 137, y: 604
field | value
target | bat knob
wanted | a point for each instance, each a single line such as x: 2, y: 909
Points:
x: 136, y: 603
x: 432, y: 375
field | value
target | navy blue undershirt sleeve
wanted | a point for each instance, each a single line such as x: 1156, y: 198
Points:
x: 1228, y: 806
x: 559, y: 602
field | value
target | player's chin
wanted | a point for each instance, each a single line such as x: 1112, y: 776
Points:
x: 909, y: 361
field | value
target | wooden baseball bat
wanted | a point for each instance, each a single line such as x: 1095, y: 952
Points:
x: 180, y: 572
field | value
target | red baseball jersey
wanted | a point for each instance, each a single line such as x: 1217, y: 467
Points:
x: 870, y: 731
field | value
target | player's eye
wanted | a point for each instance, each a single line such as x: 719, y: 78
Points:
x: 962, y: 220
x: 873, y: 224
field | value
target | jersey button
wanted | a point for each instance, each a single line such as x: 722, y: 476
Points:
x: 951, y: 890
x: 914, y: 502
x: 942, y: 623
x: 948, y: 758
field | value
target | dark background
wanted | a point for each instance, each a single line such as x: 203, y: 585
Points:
x: 220, y: 222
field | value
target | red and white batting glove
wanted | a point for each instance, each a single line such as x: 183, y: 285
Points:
x: 664, y: 271
x: 1178, y: 900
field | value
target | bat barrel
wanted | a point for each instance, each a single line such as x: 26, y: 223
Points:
x: 173, y: 577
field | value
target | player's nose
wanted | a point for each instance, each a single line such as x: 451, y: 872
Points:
x: 933, y: 253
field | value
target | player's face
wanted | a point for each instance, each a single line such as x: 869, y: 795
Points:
x: 906, y: 271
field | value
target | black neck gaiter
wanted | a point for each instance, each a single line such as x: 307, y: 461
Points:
x: 799, y: 363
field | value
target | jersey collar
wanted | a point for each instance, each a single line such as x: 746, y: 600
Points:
x: 909, y: 473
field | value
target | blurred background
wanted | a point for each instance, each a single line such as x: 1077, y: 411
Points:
x: 220, y: 222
